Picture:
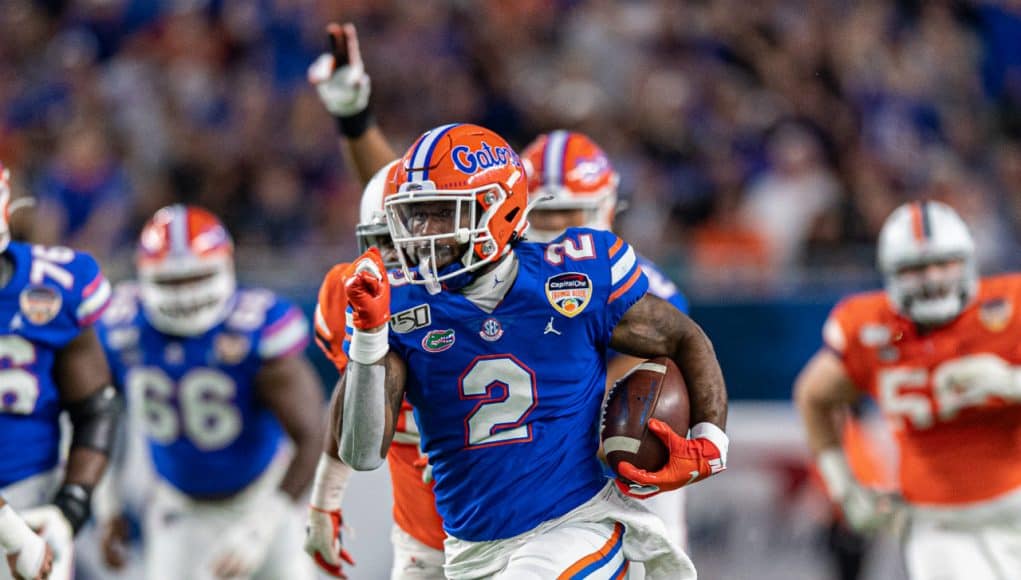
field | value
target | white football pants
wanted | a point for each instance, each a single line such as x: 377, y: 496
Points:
x: 413, y: 560
x: 596, y: 540
x: 180, y: 531
x: 982, y: 543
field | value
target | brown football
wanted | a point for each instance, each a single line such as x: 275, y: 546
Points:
x: 654, y: 388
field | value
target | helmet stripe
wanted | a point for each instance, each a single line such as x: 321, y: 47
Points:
x: 917, y: 219
x: 177, y: 230
x: 553, y: 158
x: 926, y: 222
x: 424, y: 150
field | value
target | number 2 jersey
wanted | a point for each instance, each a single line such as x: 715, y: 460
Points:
x: 507, y: 402
x: 53, y: 295
x: 208, y: 434
x: 951, y: 395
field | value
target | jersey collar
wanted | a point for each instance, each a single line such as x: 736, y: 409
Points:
x: 490, y: 288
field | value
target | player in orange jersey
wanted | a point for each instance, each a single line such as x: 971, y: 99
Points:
x: 418, y: 536
x: 938, y: 351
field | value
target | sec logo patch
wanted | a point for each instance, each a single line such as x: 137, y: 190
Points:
x: 569, y: 293
x: 40, y: 304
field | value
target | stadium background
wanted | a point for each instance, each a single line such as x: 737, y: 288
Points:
x: 761, y: 144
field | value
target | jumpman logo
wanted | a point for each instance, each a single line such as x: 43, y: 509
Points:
x: 549, y: 328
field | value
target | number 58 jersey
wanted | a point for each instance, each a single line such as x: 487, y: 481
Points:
x: 208, y: 434
x: 53, y: 295
x: 952, y: 395
x: 507, y: 401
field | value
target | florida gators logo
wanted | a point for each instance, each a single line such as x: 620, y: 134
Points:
x: 438, y: 340
x: 468, y: 160
x: 569, y: 293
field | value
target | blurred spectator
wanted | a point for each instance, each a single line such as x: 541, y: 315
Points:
x: 83, y: 195
x: 693, y: 100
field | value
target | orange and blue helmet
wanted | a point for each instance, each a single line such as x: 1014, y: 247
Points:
x: 185, y: 262
x: 568, y: 171
x: 481, y: 176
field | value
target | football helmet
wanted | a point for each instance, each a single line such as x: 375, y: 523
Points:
x: 574, y: 173
x: 922, y: 233
x: 8, y: 207
x: 462, y: 186
x: 372, y: 231
x: 186, y: 274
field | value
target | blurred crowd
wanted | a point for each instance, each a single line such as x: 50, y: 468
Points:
x: 759, y: 142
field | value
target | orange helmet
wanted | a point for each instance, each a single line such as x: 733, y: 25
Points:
x: 5, y: 207
x: 185, y: 266
x: 574, y: 172
x: 478, y: 173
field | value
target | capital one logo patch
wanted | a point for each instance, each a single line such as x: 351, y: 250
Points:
x: 569, y: 293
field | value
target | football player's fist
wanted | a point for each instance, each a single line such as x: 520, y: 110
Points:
x: 339, y: 75
x: 323, y: 542
x: 368, y: 291
x: 330, y: 315
x: 691, y: 460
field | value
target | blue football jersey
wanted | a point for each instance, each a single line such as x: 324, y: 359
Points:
x: 507, y: 402
x: 208, y: 434
x: 53, y: 295
x: 661, y: 286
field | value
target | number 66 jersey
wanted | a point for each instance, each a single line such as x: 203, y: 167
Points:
x: 952, y: 395
x: 208, y: 434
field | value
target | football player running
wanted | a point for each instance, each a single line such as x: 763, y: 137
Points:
x: 938, y: 352
x: 418, y: 534
x: 518, y: 434
x: 219, y: 376
x: 28, y: 555
x: 50, y: 297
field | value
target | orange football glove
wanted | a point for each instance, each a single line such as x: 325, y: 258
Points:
x: 330, y: 317
x: 368, y: 291
x: 691, y: 460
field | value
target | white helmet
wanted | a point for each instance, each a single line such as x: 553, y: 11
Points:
x: 185, y: 270
x: 372, y: 230
x: 920, y: 233
x: 5, y: 203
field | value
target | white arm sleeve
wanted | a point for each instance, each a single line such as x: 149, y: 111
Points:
x: 361, y: 437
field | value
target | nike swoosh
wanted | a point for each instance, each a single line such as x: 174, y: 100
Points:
x: 694, y: 476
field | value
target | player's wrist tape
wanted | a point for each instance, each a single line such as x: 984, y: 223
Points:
x: 836, y: 472
x: 715, y: 435
x: 14, y: 532
x: 354, y: 126
x: 17, y: 537
x: 329, y: 483
x: 73, y: 501
x: 368, y: 347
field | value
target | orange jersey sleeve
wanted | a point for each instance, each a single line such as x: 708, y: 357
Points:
x: 852, y: 327
x: 330, y: 315
x: 414, y: 502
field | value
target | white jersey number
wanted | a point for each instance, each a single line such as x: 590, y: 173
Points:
x: 957, y: 384
x: 19, y: 388
x: 505, y: 389
x: 204, y: 412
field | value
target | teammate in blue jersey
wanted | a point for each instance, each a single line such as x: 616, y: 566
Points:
x: 51, y: 361
x: 219, y: 376
x: 501, y: 350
